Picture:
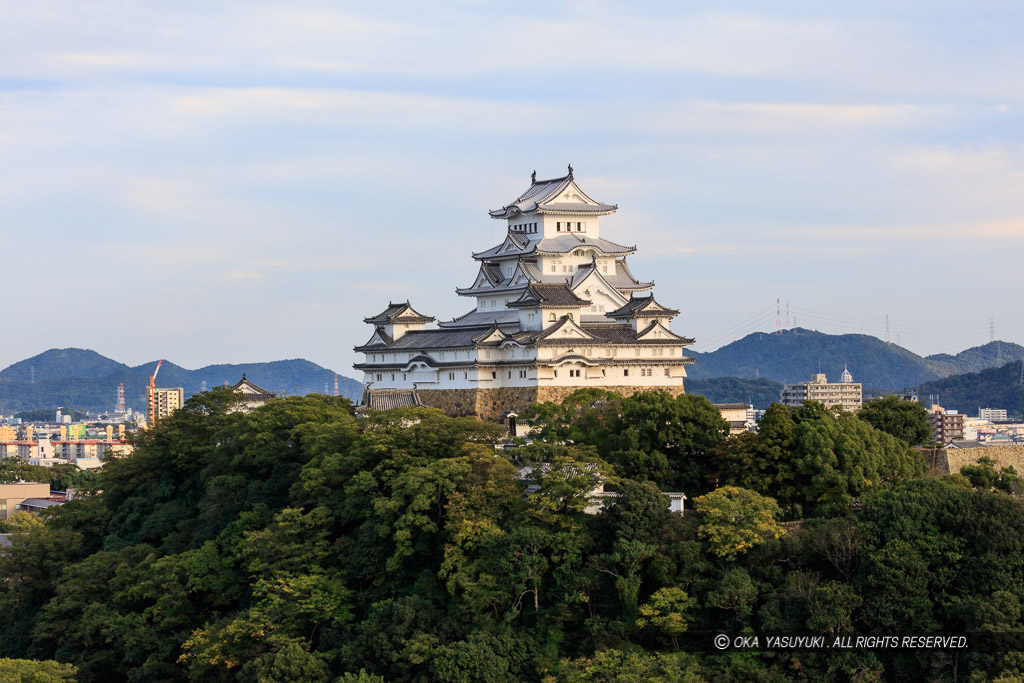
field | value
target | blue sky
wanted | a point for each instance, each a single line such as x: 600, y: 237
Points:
x: 245, y: 181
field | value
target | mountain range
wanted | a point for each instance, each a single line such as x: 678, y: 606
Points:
x: 750, y: 369
x: 794, y: 355
x: 85, y: 380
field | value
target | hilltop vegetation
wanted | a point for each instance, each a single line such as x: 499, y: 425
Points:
x: 991, y: 388
x: 761, y: 393
x: 298, y: 543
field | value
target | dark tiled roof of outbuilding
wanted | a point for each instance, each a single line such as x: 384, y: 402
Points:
x: 389, y: 399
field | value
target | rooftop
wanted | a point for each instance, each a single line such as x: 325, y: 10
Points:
x: 556, y: 195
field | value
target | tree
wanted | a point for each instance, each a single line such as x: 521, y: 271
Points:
x: 30, y: 671
x: 650, y: 435
x: 667, y: 610
x: 906, y: 420
x: 734, y: 520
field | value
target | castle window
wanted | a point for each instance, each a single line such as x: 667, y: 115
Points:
x: 494, y: 375
x: 451, y: 375
x: 625, y: 372
x: 558, y: 226
x: 666, y: 372
x: 551, y: 317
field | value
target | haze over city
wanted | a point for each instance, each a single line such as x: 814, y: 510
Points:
x: 248, y: 181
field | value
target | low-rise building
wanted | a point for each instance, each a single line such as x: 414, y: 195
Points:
x: 737, y: 415
x: 13, y: 495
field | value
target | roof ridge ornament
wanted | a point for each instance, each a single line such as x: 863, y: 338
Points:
x: 570, y: 171
x: 533, y: 177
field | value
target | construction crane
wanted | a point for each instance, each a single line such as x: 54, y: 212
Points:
x: 152, y: 393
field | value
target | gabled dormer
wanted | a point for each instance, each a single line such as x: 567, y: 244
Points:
x: 542, y: 305
x: 589, y: 283
x: 656, y: 331
x: 397, y: 319
x: 566, y: 328
x: 492, y: 337
x: 378, y: 340
x: 641, y: 311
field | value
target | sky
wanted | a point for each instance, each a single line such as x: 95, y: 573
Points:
x: 246, y: 181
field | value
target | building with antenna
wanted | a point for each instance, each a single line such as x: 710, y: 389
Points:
x: 846, y: 394
x: 556, y: 309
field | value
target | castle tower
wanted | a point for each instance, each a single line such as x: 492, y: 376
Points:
x: 556, y: 309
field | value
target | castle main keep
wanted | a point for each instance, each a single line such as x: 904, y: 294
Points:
x: 556, y: 309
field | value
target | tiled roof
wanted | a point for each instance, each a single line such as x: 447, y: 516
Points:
x: 388, y: 399
x: 643, y: 307
x: 560, y: 244
x: 549, y: 296
x: 615, y: 333
x: 475, y: 318
x: 249, y: 389
x: 541, y: 195
x: 403, y: 311
x: 623, y: 278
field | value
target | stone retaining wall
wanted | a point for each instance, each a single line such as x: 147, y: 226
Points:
x: 454, y: 402
x: 950, y: 460
x: 491, y: 404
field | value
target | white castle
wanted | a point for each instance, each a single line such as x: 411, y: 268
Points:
x: 557, y: 309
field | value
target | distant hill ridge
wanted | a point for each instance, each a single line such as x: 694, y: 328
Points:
x: 990, y: 388
x: 796, y: 354
x: 86, y: 380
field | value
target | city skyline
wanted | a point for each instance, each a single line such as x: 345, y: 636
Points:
x: 248, y: 182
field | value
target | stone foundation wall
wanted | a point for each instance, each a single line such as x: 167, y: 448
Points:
x: 950, y: 460
x: 559, y: 394
x: 491, y: 404
x: 454, y: 402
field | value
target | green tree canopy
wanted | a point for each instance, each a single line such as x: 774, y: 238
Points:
x: 906, y: 420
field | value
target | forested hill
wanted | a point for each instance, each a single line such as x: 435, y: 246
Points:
x: 978, y: 358
x: 85, y: 380
x: 298, y: 543
x: 990, y: 388
x: 760, y: 393
x: 794, y: 355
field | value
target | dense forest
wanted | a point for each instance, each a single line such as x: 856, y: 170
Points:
x: 299, y: 542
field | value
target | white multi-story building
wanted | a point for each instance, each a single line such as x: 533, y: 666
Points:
x: 556, y: 309
x: 992, y: 413
x: 846, y: 394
